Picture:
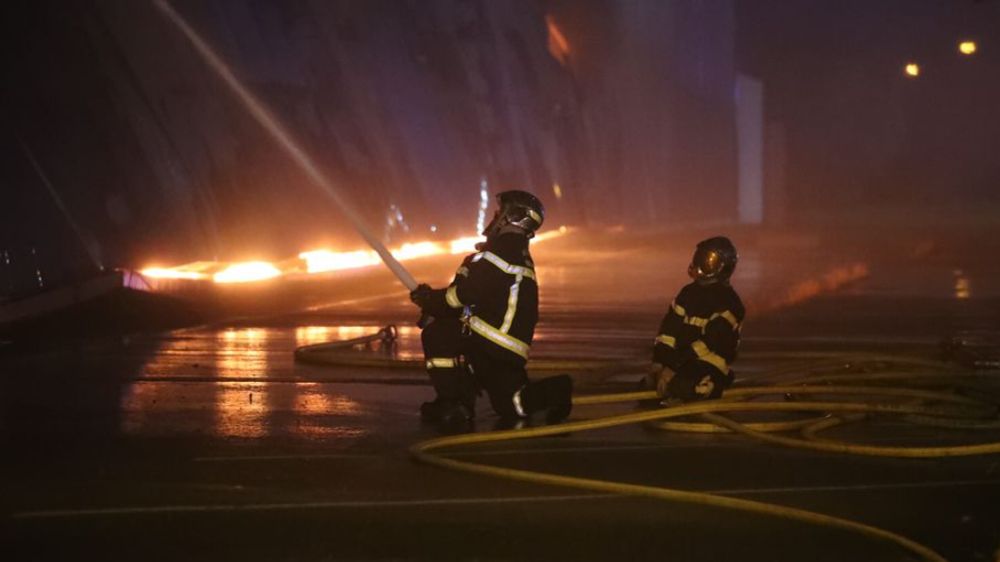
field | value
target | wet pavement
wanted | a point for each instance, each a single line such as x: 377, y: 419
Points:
x: 212, y: 443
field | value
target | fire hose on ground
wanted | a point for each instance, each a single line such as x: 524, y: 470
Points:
x: 936, y: 394
x: 921, y: 405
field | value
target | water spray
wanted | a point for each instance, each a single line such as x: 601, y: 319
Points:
x: 284, y: 139
x: 89, y: 244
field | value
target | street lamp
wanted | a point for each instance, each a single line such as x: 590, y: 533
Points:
x: 967, y: 47
x: 912, y: 69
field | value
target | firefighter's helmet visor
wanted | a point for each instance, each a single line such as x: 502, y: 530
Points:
x: 706, y: 263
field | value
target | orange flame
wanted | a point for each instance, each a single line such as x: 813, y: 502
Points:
x: 558, y: 45
x: 831, y: 281
x: 246, y: 272
x: 417, y: 250
x: 171, y: 273
x: 321, y: 261
x: 465, y: 245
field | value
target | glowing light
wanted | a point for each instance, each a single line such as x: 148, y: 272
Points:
x: 309, y: 335
x: 549, y: 234
x: 963, y: 288
x: 321, y: 261
x: 484, y: 202
x: 833, y: 280
x: 394, y: 219
x: 318, y: 261
x: 246, y: 272
x: 912, y: 69
x: 465, y: 245
x: 417, y: 250
x: 557, y: 191
x: 558, y: 45
x: 282, y: 136
x: 967, y: 47
x: 171, y: 273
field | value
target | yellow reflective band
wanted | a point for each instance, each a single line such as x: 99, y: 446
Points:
x: 707, y: 355
x: 728, y: 317
x: 441, y: 363
x: 506, y: 341
x: 463, y: 271
x: 506, y: 267
x: 508, y: 318
x: 537, y: 218
x: 696, y: 321
x: 678, y: 309
x: 451, y: 297
x: 669, y: 341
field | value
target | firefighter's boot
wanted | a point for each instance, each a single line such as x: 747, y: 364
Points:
x: 456, y: 398
x: 553, y: 395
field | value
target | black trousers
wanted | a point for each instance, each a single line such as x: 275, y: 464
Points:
x: 460, y: 368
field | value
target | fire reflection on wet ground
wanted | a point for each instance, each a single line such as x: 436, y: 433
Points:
x: 240, y: 410
x: 603, y: 298
x: 223, y: 407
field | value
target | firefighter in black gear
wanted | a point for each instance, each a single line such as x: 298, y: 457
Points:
x: 700, y: 334
x: 483, y: 324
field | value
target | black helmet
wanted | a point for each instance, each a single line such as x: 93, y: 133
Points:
x: 518, y: 209
x: 714, y: 261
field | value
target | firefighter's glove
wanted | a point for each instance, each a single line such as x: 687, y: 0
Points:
x: 422, y: 295
x: 648, y: 381
x: 659, y: 377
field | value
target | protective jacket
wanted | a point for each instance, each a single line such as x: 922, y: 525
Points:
x: 700, y: 334
x: 496, y: 293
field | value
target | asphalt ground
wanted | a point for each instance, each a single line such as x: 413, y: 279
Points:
x: 211, y: 443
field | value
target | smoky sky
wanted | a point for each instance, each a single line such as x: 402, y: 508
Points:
x: 863, y: 138
x: 119, y: 143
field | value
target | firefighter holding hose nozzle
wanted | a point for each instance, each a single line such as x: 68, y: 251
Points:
x: 483, y: 324
x: 700, y: 335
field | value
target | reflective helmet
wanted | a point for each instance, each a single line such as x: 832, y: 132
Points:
x: 714, y: 261
x: 516, y: 209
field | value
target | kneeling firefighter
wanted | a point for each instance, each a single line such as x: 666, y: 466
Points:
x: 483, y: 324
x: 700, y: 335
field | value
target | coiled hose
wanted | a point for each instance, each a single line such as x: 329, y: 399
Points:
x: 929, y: 398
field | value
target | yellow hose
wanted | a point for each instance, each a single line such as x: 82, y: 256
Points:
x: 337, y: 354
x: 945, y: 406
x: 423, y: 453
x: 828, y: 376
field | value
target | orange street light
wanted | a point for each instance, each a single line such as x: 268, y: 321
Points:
x: 967, y: 47
x: 912, y: 69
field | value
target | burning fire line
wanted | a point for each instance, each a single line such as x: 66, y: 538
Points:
x: 318, y: 261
